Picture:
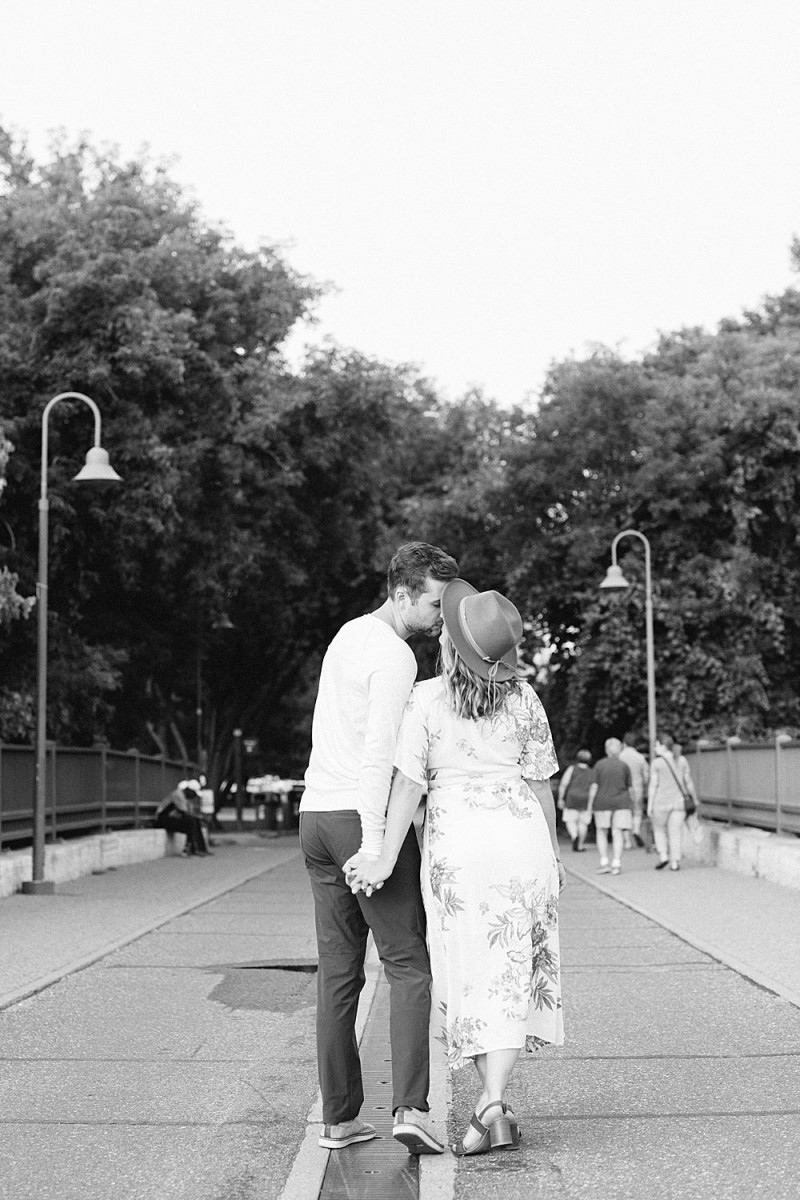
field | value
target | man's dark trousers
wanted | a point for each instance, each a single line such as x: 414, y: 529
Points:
x: 396, y: 917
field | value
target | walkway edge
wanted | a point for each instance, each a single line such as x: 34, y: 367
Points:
x: 80, y: 964
x: 710, y: 948
x: 308, y: 1169
x: 437, y: 1172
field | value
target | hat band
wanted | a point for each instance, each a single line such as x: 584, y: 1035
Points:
x: 462, y: 612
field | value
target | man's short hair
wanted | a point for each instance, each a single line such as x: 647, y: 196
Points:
x: 613, y: 746
x: 414, y: 564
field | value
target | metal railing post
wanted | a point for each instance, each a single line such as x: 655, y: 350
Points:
x: 137, y: 788
x: 103, y: 788
x: 780, y: 738
x: 53, y: 792
x: 237, y: 774
x: 729, y: 778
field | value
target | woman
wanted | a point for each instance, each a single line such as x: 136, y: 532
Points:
x: 573, y: 798
x: 479, y: 738
x: 666, y: 804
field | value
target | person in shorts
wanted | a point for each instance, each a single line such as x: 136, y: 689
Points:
x: 640, y: 775
x: 611, y: 804
x: 573, y: 798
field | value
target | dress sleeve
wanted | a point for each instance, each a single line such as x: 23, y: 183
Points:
x: 411, y: 756
x: 538, y: 759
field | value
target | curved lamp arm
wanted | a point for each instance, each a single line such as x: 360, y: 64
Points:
x: 616, y: 581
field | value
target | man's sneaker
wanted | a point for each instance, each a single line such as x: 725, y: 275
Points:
x: 603, y: 869
x: 615, y: 870
x: 410, y: 1129
x: 346, y: 1133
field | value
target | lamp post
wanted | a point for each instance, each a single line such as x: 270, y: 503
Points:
x: 96, y: 468
x: 615, y: 581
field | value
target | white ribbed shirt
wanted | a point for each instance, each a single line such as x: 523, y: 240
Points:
x: 367, y: 676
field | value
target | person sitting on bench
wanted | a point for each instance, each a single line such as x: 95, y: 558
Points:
x: 177, y: 813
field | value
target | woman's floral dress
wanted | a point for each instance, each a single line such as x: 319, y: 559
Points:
x: 489, y: 875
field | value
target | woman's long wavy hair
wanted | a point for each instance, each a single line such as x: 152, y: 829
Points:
x: 468, y: 694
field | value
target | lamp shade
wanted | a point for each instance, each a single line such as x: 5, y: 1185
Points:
x: 97, y: 467
x: 615, y: 581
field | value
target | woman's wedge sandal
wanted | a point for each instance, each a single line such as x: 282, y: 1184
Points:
x: 494, y: 1136
x: 516, y: 1132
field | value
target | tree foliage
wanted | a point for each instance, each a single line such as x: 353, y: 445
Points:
x: 696, y: 447
x: 260, y: 504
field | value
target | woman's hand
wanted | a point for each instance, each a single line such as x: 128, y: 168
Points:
x: 367, y: 872
x: 562, y: 875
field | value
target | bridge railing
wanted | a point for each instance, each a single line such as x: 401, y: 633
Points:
x: 88, y: 790
x: 749, y: 783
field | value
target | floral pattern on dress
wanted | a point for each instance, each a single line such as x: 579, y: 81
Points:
x: 460, y: 1037
x: 525, y: 977
x: 466, y: 749
x: 441, y: 874
x: 432, y: 830
x: 489, y: 878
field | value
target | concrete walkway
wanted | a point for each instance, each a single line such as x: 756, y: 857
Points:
x: 179, y: 1062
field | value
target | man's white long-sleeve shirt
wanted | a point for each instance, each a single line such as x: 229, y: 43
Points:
x: 367, y: 675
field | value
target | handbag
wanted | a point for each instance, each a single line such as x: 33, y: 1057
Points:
x: 688, y: 799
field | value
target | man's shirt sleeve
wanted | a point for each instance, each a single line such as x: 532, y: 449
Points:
x: 389, y: 689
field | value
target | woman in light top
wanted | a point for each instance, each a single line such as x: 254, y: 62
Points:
x: 478, y: 737
x: 666, y: 801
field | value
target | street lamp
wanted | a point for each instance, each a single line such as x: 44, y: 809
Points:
x: 615, y: 581
x: 96, y: 468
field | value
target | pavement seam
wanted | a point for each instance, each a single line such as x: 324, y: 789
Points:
x: 311, y: 1161
x: 80, y: 964
x: 710, y: 948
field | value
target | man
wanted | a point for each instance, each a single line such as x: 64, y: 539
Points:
x: 640, y: 774
x: 367, y: 675
x: 177, y: 813
x: 610, y: 800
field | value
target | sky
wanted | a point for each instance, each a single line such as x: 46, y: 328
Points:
x: 487, y: 186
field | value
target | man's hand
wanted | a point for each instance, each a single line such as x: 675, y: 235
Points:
x: 366, y: 872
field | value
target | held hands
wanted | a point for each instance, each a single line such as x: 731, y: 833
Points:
x: 366, y: 872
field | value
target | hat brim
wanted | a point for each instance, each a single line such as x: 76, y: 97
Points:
x: 454, y: 592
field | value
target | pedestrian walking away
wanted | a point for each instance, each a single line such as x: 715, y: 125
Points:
x: 640, y: 775
x: 367, y: 674
x: 669, y: 799
x: 478, y: 737
x: 573, y: 798
x: 611, y: 803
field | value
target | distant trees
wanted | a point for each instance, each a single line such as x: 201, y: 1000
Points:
x: 250, y: 493
x: 272, y: 500
x: 698, y: 446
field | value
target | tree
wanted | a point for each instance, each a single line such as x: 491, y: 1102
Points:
x: 696, y: 447
x: 111, y: 283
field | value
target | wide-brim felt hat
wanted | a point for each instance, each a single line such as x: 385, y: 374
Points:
x: 484, y: 627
